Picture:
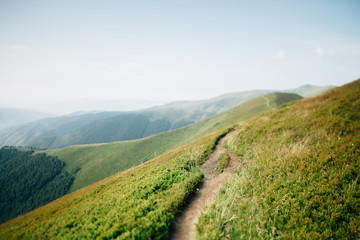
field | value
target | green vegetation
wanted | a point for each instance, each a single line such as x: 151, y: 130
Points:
x: 105, y: 127
x: 139, y: 203
x: 299, y: 174
x: 222, y: 162
x: 117, y: 128
x: 29, y: 180
x: 99, y: 161
x: 298, y: 177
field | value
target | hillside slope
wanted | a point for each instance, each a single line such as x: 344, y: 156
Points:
x: 299, y: 170
x: 140, y: 203
x: 102, y: 160
x: 105, y: 127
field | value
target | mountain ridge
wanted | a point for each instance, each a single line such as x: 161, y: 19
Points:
x: 53, y: 133
x: 97, y: 161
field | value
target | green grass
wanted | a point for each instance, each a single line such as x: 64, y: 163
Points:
x: 98, y: 161
x: 223, y: 161
x: 298, y: 174
x: 139, y: 203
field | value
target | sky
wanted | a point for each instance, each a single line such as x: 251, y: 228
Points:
x: 54, y: 51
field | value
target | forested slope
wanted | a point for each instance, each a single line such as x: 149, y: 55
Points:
x: 29, y: 180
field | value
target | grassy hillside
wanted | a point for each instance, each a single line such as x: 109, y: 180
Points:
x: 139, y: 203
x: 298, y: 174
x: 126, y: 126
x: 105, y: 127
x: 227, y: 101
x: 102, y: 160
x: 297, y: 178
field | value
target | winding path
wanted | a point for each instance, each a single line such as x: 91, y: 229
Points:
x: 185, y: 224
x: 267, y: 101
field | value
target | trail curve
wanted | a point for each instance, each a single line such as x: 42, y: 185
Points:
x: 185, y: 225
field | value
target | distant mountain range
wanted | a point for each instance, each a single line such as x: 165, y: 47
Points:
x: 104, y: 127
x: 59, y: 108
x: 11, y: 117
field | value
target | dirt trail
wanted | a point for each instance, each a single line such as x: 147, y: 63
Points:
x: 184, y: 227
x: 267, y: 101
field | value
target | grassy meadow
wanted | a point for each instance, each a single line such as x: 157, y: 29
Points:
x: 298, y: 173
x: 98, y: 161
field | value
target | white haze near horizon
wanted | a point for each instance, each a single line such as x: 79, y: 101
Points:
x: 71, y: 51
x: 79, y: 106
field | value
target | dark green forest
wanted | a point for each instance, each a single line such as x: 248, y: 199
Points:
x: 29, y: 180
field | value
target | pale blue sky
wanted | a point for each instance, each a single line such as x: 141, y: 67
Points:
x: 173, y: 50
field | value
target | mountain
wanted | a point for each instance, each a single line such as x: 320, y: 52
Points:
x: 11, y: 117
x: 297, y: 176
x: 31, y: 179
x: 224, y: 102
x: 98, y: 161
x: 47, y: 128
x: 309, y: 90
x: 212, y: 106
x: 84, y: 105
x: 104, y: 127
